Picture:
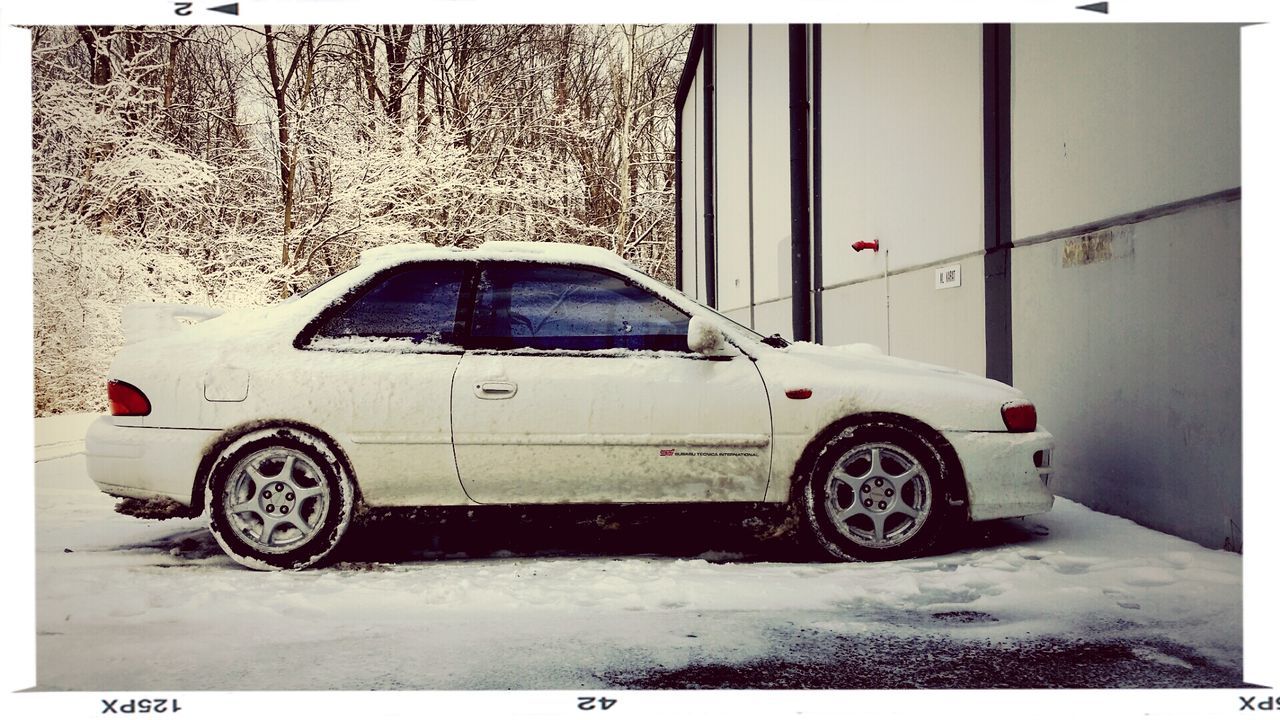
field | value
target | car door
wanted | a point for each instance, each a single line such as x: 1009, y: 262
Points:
x: 578, y: 387
x: 379, y: 372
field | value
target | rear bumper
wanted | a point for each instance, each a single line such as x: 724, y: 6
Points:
x: 145, y: 463
x: 1001, y: 472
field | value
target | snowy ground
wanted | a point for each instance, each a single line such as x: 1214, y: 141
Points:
x: 647, y: 598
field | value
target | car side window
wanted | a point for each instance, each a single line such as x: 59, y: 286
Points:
x: 552, y: 307
x: 417, y: 305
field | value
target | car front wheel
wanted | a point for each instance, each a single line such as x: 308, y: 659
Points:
x: 279, y: 499
x: 873, y: 494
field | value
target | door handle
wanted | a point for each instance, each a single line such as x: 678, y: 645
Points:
x: 495, y: 390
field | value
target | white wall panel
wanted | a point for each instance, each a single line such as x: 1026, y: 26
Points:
x: 944, y: 327
x: 699, y: 287
x: 1113, y: 118
x: 901, y: 145
x: 941, y: 326
x: 771, y: 158
x: 774, y: 317
x: 741, y: 315
x: 1133, y: 361
x: 733, y: 283
x: 855, y: 314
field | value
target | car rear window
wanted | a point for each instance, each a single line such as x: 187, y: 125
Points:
x: 418, y: 304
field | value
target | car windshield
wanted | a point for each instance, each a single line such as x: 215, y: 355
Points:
x: 775, y: 340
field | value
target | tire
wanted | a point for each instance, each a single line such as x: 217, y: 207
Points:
x: 875, y: 493
x: 279, y: 499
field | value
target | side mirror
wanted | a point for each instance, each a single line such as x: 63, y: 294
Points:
x: 707, y: 339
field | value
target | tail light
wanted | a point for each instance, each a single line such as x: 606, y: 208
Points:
x: 1019, y: 416
x: 126, y: 399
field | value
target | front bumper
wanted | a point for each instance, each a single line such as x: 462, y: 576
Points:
x: 145, y: 463
x: 1006, y: 474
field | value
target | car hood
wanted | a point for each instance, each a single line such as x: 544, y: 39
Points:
x: 869, y: 358
x: 858, y: 378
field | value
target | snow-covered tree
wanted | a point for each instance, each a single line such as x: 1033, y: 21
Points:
x: 233, y: 166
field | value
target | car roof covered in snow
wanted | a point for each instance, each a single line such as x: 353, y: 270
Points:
x: 493, y: 250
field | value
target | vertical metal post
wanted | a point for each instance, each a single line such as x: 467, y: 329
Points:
x: 709, y: 156
x: 801, y: 266
x: 997, y: 191
x: 751, y: 179
x: 816, y: 90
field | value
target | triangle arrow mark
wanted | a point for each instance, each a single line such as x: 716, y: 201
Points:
x: 1100, y: 7
x: 234, y: 9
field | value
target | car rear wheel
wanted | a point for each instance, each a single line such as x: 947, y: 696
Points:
x: 873, y: 494
x: 279, y: 500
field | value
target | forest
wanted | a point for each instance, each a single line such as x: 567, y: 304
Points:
x: 235, y: 166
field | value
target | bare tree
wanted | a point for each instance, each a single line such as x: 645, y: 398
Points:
x: 230, y: 166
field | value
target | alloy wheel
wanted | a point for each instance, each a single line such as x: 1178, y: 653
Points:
x: 878, y: 495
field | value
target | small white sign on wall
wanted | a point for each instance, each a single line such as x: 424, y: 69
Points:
x: 946, y: 277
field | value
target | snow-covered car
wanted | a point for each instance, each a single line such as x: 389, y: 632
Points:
x: 542, y: 373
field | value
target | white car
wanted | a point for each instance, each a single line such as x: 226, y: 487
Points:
x: 522, y: 373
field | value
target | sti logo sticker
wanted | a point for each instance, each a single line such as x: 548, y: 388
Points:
x: 666, y: 453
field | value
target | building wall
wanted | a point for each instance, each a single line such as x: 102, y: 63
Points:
x: 946, y: 326
x: 1110, y: 119
x: 753, y: 210
x: 741, y: 315
x: 733, y: 210
x: 1125, y: 267
x: 902, y: 145
x: 855, y: 313
x: 690, y: 196
x: 1129, y: 340
x: 1134, y: 365
x: 699, y: 234
x: 774, y: 316
x: 902, y: 163
x: 771, y: 165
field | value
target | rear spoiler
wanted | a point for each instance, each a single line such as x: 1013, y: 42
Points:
x: 146, y: 321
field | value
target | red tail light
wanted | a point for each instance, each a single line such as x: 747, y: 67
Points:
x: 126, y: 399
x: 1019, y: 416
